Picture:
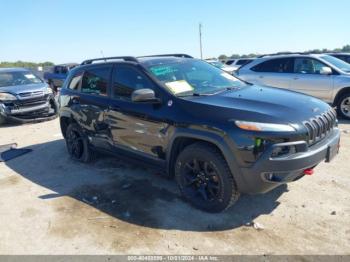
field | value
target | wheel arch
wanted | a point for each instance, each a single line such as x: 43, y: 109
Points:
x: 183, y: 138
x: 340, y: 93
x: 65, y: 121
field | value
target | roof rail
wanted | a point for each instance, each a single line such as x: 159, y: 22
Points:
x: 174, y: 55
x: 285, y: 53
x: 125, y: 58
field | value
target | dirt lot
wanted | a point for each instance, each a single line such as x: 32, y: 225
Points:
x: 50, y: 204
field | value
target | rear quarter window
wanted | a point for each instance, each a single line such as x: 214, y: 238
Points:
x: 281, y: 65
x: 75, y: 81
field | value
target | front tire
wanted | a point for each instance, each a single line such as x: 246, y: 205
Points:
x: 78, y: 144
x: 205, y: 179
x: 343, y: 106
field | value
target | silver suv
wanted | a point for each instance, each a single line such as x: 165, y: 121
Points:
x: 318, y: 75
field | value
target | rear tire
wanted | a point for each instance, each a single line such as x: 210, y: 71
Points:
x: 343, y: 106
x: 78, y: 144
x: 205, y: 179
x: 2, y: 120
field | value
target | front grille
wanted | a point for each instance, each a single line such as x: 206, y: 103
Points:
x: 28, y: 94
x: 32, y: 101
x: 320, y: 126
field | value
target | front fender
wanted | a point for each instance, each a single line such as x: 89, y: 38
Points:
x: 218, y: 139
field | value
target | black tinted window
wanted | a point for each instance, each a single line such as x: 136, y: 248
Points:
x: 95, y: 80
x: 344, y: 58
x: 283, y: 65
x: 76, y: 81
x: 127, y: 79
x: 243, y: 61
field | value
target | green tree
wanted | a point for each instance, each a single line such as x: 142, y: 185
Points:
x: 25, y: 64
x: 223, y: 57
x: 346, y: 48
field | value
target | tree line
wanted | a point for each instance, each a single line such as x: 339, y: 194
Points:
x: 25, y: 64
x: 345, y: 49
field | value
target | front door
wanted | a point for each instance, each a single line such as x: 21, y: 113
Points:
x: 308, y: 79
x: 136, y: 127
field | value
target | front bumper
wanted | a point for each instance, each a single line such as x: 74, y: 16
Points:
x: 268, y: 173
x: 29, y: 110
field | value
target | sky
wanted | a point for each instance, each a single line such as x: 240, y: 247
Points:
x: 73, y: 30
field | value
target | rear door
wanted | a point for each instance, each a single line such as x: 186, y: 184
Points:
x: 308, y: 79
x: 274, y: 72
x: 92, y: 103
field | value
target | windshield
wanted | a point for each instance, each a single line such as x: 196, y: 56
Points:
x: 337, y: 63
x: 194, y: 77
x: 18, y: 78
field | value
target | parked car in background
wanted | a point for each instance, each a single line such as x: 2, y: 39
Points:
x: 57, y: 74
x: 342, y: 56
x: 237, y: 63
x: 218, y: 64
x: 24, y: 96
x: 318, y: 75
x: 218, y: 136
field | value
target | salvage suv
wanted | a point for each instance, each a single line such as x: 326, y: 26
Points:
x: 217, y: 135
x: 25, y: 97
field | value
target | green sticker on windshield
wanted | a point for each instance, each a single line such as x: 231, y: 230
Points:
x: 163, y: 70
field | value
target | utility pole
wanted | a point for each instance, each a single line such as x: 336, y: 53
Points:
x: 200, y: 40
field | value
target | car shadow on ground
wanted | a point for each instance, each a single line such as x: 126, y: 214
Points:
x: 130, y: 191
x: 344, y: 121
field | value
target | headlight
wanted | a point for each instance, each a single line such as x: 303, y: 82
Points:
x: 48, y: 90
x: 255, y: 126
x: 7, y: 97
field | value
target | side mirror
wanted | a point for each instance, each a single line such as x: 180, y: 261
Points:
x: 326, y: 70
x: 144, y: 95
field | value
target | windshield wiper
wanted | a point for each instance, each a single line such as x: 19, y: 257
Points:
x: 222, y: 90
x: 191, y: 94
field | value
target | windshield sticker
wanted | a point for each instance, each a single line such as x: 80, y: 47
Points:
x: 29, y: 76
x: 180, y: 86
x: 163, y: 70
x: 228, y: 76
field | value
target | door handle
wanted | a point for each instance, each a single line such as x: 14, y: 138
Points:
x: 261, y: 76
x: 296, y: 78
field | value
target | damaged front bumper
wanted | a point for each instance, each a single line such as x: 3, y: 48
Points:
x: 30, y: 109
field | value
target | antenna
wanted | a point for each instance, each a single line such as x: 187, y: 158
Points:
x: 103, y: 55
x: 200, y: 40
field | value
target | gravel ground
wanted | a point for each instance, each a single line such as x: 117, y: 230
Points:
x: 50, y: 204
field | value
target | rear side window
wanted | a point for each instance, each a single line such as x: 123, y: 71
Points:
x: 243, y: 61
x: 230, y: 62
x: 344, y: 58
x: 127, y: 79
x: 281, y: 65
x: 95, y: 80
x: 76, y: 81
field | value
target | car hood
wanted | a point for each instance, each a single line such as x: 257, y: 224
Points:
x: 260, y: 104
x: 15, y: 90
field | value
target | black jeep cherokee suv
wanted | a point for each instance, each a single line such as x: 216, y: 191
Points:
x: 217, y: 135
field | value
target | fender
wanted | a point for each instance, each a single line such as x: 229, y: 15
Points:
x: 217, y: 139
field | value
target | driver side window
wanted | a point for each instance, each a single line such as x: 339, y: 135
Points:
x: 307, y: 66
x: 128, y: 79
